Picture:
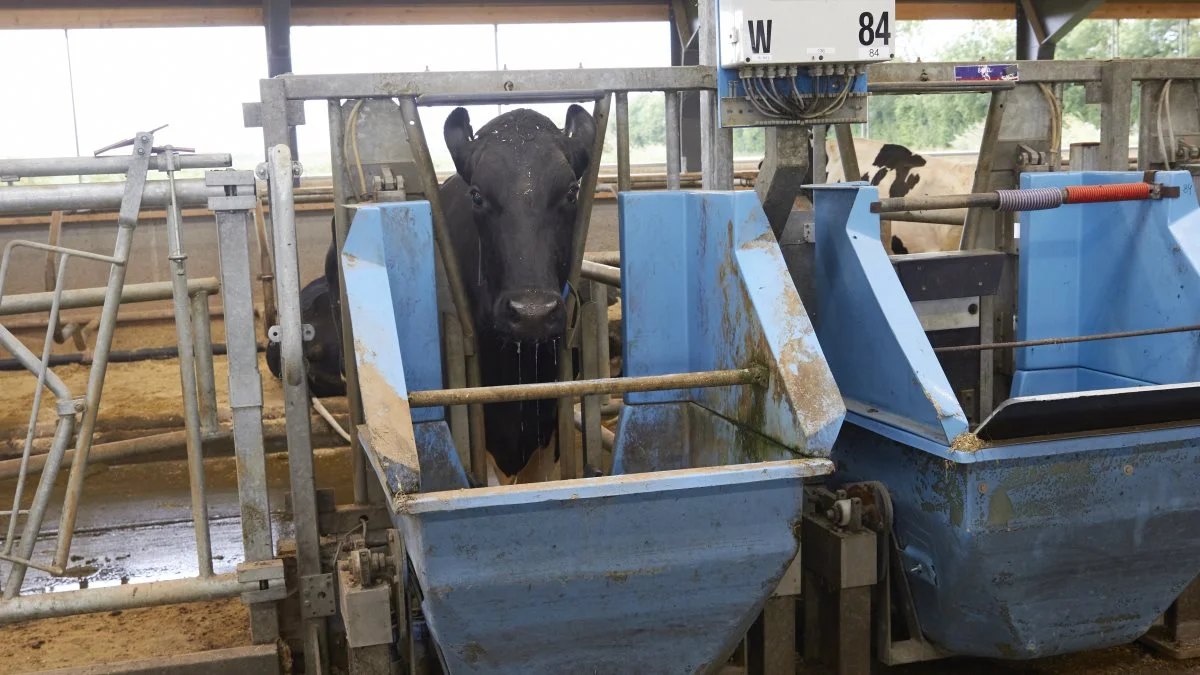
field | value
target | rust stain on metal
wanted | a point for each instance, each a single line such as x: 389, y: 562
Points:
x: 389, y: 420
x: 621, y: 577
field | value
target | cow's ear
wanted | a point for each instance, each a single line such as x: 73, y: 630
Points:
x: 459, y: 136
x: 581, y: 132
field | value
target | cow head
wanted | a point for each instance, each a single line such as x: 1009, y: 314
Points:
x: 523, y: 179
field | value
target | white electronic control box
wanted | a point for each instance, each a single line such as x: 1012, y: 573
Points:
x: 806, y: 32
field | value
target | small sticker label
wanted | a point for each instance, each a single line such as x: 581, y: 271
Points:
x: 872, y: 53
x: 986, y: 72
x: 759, y: 58
x: 821, y: 51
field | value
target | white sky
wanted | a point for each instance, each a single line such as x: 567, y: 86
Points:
x: 195, y: 79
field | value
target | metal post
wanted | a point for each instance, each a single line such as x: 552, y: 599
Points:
x: 341, y: 228
x: 424, y: 162
x: 674, y: 160
x: 603, y: 357
x: 623, y: 181
x: 295, y: 383
x: 591, y: 370
x: 571, y: 465
x: 716, y: 141
x: 845, y: 145
x: 205, y: 375
x: 245, y: 387
x: 187, y: 375
x: 976, y: 235
x: 135, y: 181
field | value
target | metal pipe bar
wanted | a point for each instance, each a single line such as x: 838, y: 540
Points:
x: 206, y: 385
x: 76, y: 196
x: 94, y: 166
x: 989, y: 200
x: 21, y: 564
x: 187, y: 374
x: 245, y: 398
x: 605, y: 274
x: 26, y: 359
x: 674, y: 153
x: 28, y: 303
x: 605, y: 385
x: 502, y: 82
x: 454, y: 278
x: 610, y: 258
x: 130, y: 356
x: 509, y: 98
x: 130, y: 206
x: 924, y: 217
x: 114, y: 598
x: 341, y: 228
x: 1068, y: 340
x: 41, y: 499
x: 623, y: 182
x: 287, y: 280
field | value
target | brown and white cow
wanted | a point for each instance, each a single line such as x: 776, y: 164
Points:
x: 898, y: 172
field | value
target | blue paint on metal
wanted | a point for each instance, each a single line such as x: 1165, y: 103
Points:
x: 660, y: 571
x: 1042, y: 548
x: 1032, y: 547
x: 884, y: 365
x: 623, y: 574
x: 705, y: 287
x: 1100, y: 268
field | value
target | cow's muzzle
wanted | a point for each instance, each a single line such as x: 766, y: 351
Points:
x: 530, y: 316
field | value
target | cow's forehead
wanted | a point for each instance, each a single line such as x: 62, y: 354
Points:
x: 539, y: 164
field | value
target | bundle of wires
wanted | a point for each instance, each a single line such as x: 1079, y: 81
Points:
x: 763, y: 90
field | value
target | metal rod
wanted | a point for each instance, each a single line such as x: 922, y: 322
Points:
x: 341, y: 227
x: 623, y: 182
x: 937, y: 203
x: 93, y: 166
x: 847, y: 152
x: 454, y: 279
x: 287, y: 281
x: 123, y: 597
x: 245, y: 399
x: 28, y: 303
x: 610, y: 385
x: 605, y: 274
x: 1068, y: 340
x: 610, y: 258
x: 135, y: 182
x: 674, y: 154
x: 42, y: 370
x: 72, y: 197
x: 21, y: 564
x: 27, y: 360
x: 592, y: 454
x: 41, y: 498
x: 607, y: 438
x: 603, y: 357
x: 187, y: 375
x: 206, y: 385
x: 924, y: 217
x: 130, y: 356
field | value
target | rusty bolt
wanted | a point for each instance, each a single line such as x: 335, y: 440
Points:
x: 983, y: 488
x: 508, y: 86
x: 1128, y: 469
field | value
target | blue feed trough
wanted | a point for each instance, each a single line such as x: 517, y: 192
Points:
x: 662, y: 567
x: 1068, y: 520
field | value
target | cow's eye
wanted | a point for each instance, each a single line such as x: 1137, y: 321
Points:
x: 573, y: 194
x: 476, y: 198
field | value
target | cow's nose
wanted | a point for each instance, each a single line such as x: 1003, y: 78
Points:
x: 533, y: 315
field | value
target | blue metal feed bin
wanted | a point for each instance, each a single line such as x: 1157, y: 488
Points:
x: 662, y: 567
x: 1068, y: 520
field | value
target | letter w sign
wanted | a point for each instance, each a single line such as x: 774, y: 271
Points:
x: 760, y: 36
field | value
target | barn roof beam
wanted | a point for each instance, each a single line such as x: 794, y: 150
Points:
x: 151, y: 13
x: 1042, y: 23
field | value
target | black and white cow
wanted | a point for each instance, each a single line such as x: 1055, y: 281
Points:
x: 510, y: 209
